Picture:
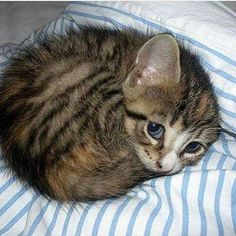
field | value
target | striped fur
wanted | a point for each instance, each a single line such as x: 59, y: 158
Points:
x: 74, y: 129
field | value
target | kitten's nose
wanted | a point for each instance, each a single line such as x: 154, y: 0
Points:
x: 167, y: 163
x: 161, y: 169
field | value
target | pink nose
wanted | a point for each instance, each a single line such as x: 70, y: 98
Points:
x: 163, y: 170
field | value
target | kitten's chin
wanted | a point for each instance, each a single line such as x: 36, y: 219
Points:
x: 173, y: 171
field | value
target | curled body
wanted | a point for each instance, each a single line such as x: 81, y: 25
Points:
x: 91, y: 114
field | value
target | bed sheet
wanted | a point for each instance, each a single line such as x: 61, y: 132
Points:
x: 200, y: 200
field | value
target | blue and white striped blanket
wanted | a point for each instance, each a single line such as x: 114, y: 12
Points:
x: 201, y: 200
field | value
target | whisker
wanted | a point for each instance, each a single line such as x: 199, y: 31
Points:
x: 227, y: 132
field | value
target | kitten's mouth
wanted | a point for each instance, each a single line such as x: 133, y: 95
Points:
x: 173, y: 171
x: 167, y: 172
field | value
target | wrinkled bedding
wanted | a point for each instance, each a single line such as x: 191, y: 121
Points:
x: 200, y: 200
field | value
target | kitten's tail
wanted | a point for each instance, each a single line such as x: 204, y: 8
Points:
x: 68, y: 184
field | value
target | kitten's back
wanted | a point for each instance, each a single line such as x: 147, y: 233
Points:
x: 57, y: 100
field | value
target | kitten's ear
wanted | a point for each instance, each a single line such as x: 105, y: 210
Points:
x: 157, y: 59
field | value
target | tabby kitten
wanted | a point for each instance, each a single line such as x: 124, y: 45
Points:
x: 89, y: 115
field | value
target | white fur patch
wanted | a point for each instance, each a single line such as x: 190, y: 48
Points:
x: 169, y: 161
x: 180, y: 140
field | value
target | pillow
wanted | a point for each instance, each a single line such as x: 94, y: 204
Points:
x: 200, y: 200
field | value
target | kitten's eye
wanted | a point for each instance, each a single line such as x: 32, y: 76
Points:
x: 192, y: 147
x: 155, y: 130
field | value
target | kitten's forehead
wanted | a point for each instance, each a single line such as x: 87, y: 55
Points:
x: 200, y: 109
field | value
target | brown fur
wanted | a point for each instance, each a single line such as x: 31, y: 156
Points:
x: 75, y: 110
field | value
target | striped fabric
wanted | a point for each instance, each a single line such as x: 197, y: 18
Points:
x: 201, y: 200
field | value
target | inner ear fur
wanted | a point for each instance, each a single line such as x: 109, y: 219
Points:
x: 157, y: 60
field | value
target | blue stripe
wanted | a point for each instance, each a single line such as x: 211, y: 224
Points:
x: 13, y: 200
x: 155, y: 211
x: 28, y: 40
x: 208, y: 155
x: 62, y: 26
x: 117, y: 214
x: 223, y: 74
x: 18, y: 216
x: 8, y: 54
x: 7, y: 184
x: 217, y: 203
x: 2, y: 169
x: 227, y: 112
x: 233, y: 206
x: 201, y: 193
x: 227, y: 156
x: 226, y: 148
x: 71, y: 25
x: 54, y: 26
x: 218, y: 195
x: 200, y: 203
x: 136, y: 211
x: 100, y: 18
x: 4, y: 63
x: 67, y: 220
x: 212, y: 148
x: 185, y: 224
x: 5, y: 47
x: 228, y: 126
x: 46, y: 27
x: 99, y: 217
x: 38, y: 219
x: 156, y: 25
x: 82, y: 219
x: 234, y: 167
x: 41, y: 35
x: 225, y: 138
x: 54, y: 219
x: 224, y: 94
x: 9, y: 44
x: 170, y: 218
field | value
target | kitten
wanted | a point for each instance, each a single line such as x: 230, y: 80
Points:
x: 89, y: 115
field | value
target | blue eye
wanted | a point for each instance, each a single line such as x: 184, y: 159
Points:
x: 155, y: 130
x: 192, y: 147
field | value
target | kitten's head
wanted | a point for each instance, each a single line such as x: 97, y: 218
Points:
x: 171, y: 110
